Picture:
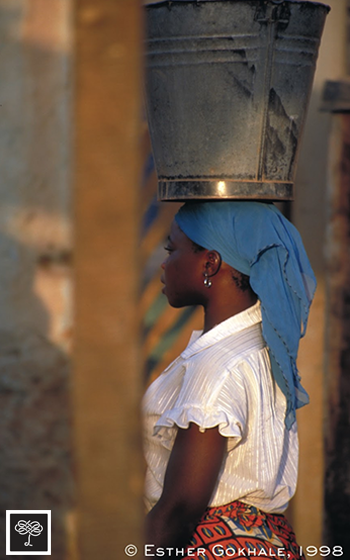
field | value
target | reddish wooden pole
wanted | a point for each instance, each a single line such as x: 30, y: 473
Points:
x: 107, y: 376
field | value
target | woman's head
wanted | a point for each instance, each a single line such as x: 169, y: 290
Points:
x: 192, y: 274
x: 255, y: 239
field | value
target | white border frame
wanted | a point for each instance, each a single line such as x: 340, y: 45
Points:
x: 26, y: 512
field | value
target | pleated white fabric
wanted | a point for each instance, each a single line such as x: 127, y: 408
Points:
x: 223, y: 378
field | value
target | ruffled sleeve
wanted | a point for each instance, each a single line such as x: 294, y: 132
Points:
x: 208, y: 398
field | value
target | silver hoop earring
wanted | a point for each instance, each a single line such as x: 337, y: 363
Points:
x: 207, y: 281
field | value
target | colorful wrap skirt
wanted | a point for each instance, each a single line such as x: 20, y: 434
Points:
x: 238, y: 530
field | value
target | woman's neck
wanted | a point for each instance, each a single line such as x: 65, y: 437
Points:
x: 219, y: 311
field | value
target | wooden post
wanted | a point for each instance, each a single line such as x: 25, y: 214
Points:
x: 337, y: 427
x: 107, y: 379
x: 309, y: 216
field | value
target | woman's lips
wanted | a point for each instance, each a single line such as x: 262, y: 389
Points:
x: 162, y: 281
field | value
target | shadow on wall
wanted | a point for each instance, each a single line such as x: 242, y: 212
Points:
x: 35, y: 453
x: 35, y: 422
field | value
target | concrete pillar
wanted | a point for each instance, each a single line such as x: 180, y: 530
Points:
x: 107, y: 373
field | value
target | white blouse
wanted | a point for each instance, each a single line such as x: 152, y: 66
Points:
x: 223, y: 378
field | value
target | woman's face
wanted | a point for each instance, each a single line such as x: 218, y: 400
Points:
x: 182, y: 270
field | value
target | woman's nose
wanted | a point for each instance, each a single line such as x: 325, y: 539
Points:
x: 162, y: 266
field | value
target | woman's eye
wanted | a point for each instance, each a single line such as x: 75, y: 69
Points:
x: 167, y: 249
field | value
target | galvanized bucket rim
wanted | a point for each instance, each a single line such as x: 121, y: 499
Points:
x: 277, y: 2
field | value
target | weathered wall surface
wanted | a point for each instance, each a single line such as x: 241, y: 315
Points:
x: 35, y: 329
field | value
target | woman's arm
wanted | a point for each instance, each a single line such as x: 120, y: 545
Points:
x: 189, y: 482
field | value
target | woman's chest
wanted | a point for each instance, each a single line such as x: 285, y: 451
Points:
x: 164, y: 391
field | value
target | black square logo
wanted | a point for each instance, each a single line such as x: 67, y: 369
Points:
x: 28, y: 532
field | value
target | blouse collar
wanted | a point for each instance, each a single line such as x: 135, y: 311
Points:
x: 232, y: 325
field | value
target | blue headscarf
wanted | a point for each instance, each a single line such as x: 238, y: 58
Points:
x: 257, y: 240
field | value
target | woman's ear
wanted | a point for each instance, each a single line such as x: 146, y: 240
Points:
x: 212, y: 263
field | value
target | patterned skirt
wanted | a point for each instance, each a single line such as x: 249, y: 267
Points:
x: 238, y: 530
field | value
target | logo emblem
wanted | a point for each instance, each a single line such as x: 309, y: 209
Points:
x: 28, y: 532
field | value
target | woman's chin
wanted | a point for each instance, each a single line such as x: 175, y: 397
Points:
x: 173, y: 301
x: 175, y: 304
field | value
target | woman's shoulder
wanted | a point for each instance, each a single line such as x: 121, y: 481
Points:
x: 227, y: 352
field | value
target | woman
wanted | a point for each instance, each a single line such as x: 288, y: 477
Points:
x: 220, y: 431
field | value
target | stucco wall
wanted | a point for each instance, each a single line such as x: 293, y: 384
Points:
x: 35, y: 323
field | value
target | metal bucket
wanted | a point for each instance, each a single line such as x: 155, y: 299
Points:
x: 227, y: 88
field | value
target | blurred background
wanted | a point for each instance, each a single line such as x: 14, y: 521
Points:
x: 81, y: 335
